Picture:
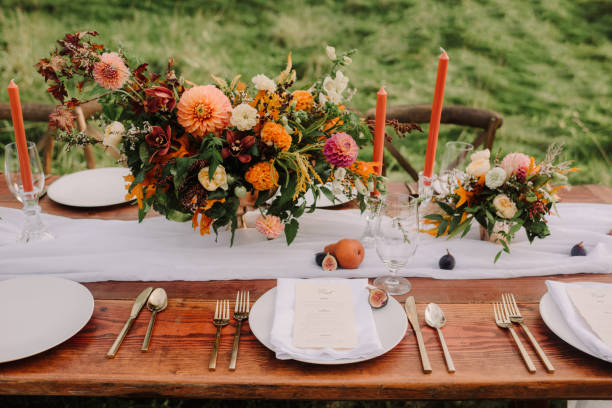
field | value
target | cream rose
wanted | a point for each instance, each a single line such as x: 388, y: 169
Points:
x: 244, y: 116
x: 505, y: 206
x: 263, y: 83
x: 219, y: 179
x: 478, y: 167
x: 113, y: 134
x: 481, y: 155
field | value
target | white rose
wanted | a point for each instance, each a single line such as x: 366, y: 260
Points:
x: 331, y: 52
x: 334, y: 97
x: 244, y: 117
x: 113, y: 134
x: 339, y: 173
x: 361, y: 188
x: 481, y: 155
x: 263, y: 83
x: 505, y: 206
x: 496, y: 177
x: 478, y: 167
x: 219, y: 179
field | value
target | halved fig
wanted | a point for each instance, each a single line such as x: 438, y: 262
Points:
x: 377, y: 298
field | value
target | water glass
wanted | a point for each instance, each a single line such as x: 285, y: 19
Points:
x: 373, y: 204
x: 33, y: 229
x: 397, y: 239
x: 455, y: 156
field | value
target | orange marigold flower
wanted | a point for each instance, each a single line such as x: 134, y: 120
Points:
x: 305, y: 100
x: 364, y: 169
x: 275, y: 134
x: 110, y: 72
x: 262, y: 176
x: 204, y: 109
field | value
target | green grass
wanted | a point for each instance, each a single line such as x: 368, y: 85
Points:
x: 543, y: 65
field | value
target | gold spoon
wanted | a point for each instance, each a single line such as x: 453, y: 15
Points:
x: 157, y: 302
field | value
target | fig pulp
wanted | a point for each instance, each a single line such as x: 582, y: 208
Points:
x: 329, y: 263
x: 378, y: 298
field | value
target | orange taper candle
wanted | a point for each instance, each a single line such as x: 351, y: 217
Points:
x: 436, y: 114
x: 20, y: 138
x: 379, y: 128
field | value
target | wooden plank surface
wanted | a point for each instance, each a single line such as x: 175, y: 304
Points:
x: 488, y: 363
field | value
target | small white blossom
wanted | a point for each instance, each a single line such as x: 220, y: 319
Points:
x: 263, y: 83
x: 361, y: 188
x: 244, y: 117
x: 339, y: 173
x: 496, y: 177
x: 337, y: 187
x: 113, y: 134
x: 347, y: 60
x: 481, y: 155
x: 331, y: 52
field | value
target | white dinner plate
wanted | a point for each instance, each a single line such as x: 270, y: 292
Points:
x: 556, y: 323
x: 91, y: 188
x: 39, y: 312
x: 322, y: 201
x: 391, y: 324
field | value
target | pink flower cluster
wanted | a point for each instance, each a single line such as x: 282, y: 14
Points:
x: 515, y: 163
x: 340, y: 150
x: 270, y: 226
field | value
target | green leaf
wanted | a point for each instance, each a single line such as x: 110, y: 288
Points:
x: 434, y: 217
x: 315, y: 125
x: 497, y: 257
x: 447, y: 208
x: 515, y: 228
x: 442, y: 228
x: 461, y: 227
x: 178, y: 216
x: 291, y: 230
x: 328, y: 194
x: 454, y: 223
x: 298, y: 213
x: 143, y: 153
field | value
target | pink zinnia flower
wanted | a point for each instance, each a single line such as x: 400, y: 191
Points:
x: 110, y: 72
x: 515, y: 161
x: 340, y: 150
x: 270, y: 226
x: 204, y: 109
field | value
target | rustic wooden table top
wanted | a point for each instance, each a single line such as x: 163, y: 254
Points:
x: 487, y: 361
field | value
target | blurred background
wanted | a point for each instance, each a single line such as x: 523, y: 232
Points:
x: 544, y: 65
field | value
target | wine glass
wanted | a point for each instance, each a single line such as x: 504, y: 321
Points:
x: 34, y: 229
x: 397, y: 238
x: 455, y: 156
x: 373, y: 204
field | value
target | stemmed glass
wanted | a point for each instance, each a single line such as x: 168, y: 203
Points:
x: 33, y: 229
x: 397, y: 238
x: 373, y: 203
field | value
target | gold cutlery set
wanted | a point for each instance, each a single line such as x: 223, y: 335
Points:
x: 506, y: 315
x: 242, y: 307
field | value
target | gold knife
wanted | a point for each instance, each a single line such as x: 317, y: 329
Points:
x: 139, y: 303
x: 413, y: 318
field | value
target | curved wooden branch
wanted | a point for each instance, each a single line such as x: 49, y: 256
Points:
x: 39, y: 112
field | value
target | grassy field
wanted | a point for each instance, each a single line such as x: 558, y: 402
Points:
x: 543, y: 65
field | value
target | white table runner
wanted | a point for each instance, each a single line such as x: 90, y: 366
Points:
x: 90, y: 250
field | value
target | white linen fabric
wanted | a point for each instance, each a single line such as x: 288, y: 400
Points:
x: 89, y: 250
x: 281, y: 335
x: 573, y: 319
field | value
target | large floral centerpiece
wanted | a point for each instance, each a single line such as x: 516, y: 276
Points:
x: 502, y: 195
x: 202, y: 152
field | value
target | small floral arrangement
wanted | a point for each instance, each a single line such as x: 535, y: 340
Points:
x: 203, y: 152
x: 503, y: 197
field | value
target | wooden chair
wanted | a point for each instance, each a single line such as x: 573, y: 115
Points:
x: 486, y: 120
x: 39, y: 112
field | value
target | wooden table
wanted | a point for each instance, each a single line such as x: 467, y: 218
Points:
x: 488, y: 363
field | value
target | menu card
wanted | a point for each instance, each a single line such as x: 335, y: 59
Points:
x: 324, y: 315
x: 595, y: 307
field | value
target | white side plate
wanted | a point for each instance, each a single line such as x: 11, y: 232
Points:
x: 556, y: 323
x: 391, y: 324
x: 91, y: 188
x: 39, y: 312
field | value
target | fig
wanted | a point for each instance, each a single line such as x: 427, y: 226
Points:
x: 319, y: 258
x: 447, y: 261
x: 329, y: 263
x: 348, y: 252
x: 377, y: 298
x: 578, y: 250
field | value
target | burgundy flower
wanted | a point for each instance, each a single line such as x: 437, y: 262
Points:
x: 159, y: 140
x: 237, y: 146
x: 159, y: 98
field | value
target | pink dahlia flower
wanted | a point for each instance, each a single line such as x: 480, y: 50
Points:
x: 110, y: 72
x: 340, y: 150
x: 204, y: 109
x: 270, y: 226
x: 513, y: 162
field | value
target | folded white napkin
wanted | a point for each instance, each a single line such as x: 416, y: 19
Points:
x: 281, y: 335
x: 573, y: 319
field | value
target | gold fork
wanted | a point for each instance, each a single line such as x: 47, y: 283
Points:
x: 516, y: 317
x: 221, y: 318
x: 503, y: 321
x: 241, y: 313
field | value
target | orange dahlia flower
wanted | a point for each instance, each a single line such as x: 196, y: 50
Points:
x: 274, y: 133
x: 110, y: 72
x: 305, y: 100
x: 204, y: 109
x: 262, y: 176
